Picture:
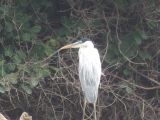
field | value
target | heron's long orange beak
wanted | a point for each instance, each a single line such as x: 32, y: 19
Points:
x: 73, y: 45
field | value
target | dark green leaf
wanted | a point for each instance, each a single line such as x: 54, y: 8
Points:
x: 45, y: 72
x: 26, y: 88
x: 2, y: 62
x: 126, y: 72
x: 26, y: 37
x: 8, y: 52
x: 152, y: 24
x: 48, y: 50
x: 1, y: 28
x: 12, y: 78
x: 12, y: 66
x: 145, y: 55
x: 35, y: 29
x: 17, y: 59
x: 9, y: 26
x: 38, y: 51
x: 138, y: 40
x: 34, y: 82
x: 2, y: 89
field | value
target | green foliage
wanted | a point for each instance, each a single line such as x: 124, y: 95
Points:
x: 21, y: 40
x: 21, y: 46
x: 2, y: 89
x: 26, y: 88
x: 127, y: 30
x: 70, y: 27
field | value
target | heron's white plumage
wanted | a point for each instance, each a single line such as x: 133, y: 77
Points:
x: 89, y: 71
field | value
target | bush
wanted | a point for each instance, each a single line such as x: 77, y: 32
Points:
x: 38, y: 79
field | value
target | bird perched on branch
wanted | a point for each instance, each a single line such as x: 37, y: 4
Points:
x: 89, y: 70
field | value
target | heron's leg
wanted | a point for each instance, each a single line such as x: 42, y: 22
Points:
x: 84, y: 108
x: 95, y: 116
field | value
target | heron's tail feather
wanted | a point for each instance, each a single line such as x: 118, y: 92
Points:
x: 91, y: 94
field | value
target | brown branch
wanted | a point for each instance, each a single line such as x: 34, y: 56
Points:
x: 138, y: 86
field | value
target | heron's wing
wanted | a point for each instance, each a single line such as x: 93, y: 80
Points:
x: 89, y: 72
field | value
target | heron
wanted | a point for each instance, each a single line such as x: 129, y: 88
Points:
x: 89, y: 70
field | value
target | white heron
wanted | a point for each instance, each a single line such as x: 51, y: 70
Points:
x: 89, y: 70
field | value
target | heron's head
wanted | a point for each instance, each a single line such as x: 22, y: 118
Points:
x: 78, y: 44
